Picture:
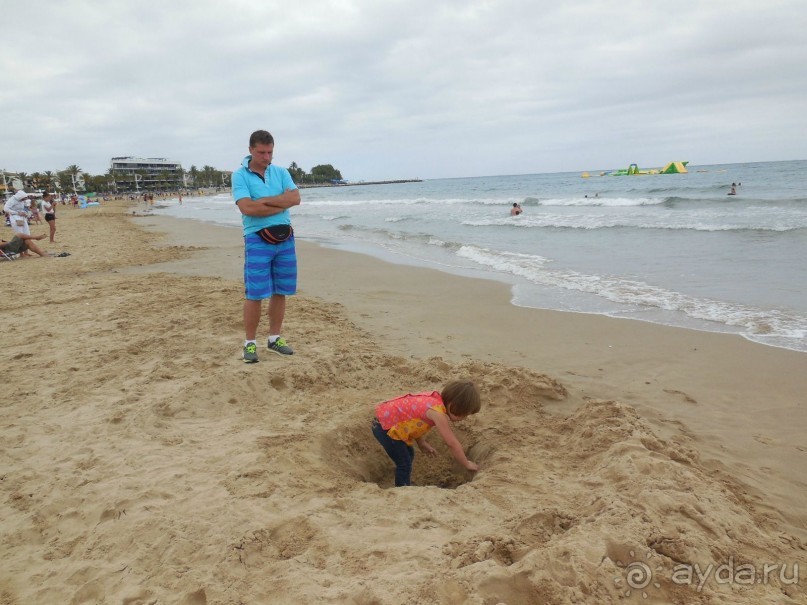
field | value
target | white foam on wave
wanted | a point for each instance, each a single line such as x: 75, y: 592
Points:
x: 755, y: 323
x: 694, y: 221
x: 344, y: 203
x: 603, y: 201
x: 396, y: 201
x: 420, y: 200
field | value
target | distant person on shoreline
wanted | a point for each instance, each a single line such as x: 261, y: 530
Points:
x: 50, y: 214
x: 515, y: 210
x: 733, y: 189
x: 401, y: 421
x: 264, y: 193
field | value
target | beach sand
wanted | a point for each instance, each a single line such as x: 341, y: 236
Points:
x: 143, y: 462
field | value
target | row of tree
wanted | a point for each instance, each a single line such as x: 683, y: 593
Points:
x: 74, y: 179
x: 323, y: 173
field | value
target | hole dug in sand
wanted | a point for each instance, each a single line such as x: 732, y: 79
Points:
x: 351, y: 449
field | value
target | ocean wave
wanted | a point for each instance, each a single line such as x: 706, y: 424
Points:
x: 470, y: 201
x: 604, y: 201
x: 383, y: 236
x: 594, y: 222
x: 755, y: 323
x: 373, y: 202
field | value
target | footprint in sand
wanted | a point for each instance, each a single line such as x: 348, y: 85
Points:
x: 687, y: 398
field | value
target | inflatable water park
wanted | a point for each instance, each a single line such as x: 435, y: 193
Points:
x: 633, y: 169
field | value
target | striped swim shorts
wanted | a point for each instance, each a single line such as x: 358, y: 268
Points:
x: 269, y: 268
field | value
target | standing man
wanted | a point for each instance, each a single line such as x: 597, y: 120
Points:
x: 264, y: 193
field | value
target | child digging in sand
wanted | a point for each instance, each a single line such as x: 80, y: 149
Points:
x: 398, y: 422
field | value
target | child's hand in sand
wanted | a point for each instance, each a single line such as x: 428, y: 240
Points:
x: 472, y: 466
x: 426, y: 448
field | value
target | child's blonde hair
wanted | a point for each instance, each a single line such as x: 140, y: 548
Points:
x: 461, y: 398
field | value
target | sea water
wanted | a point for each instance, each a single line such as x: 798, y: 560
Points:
x: 672, y: 249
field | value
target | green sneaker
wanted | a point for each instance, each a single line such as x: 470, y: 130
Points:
x: 251, y: 353
x: 280, y: 347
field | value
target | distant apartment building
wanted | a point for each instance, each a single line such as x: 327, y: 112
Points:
x: 152, y: 174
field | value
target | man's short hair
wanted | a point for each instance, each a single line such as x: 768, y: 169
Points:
x: 261, y: 137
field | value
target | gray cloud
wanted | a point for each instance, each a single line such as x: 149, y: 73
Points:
x: 404, y: 89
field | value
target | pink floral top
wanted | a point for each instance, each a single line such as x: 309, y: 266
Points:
x: 404, y: 418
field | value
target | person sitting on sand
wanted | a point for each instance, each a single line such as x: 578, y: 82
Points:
x: 515, y: 210
x: 21, y: 243
x: 400, y: 421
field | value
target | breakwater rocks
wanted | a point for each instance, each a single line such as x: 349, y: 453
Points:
x: 356, y: 183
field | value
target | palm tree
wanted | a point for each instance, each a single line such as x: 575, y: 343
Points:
x: 208, y: 172
x: 23, y: 178
x: 297, y: 173
x: 90, y: 183
x: 36, y: 180
x: 74, y: 172
x: 194, y: 172
x: 50, y: 179
x: 110, y: 177
x: 64, y: 180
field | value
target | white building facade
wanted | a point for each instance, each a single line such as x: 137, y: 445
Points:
x: 150, y: 174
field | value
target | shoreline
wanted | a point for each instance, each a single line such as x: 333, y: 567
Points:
x: 144, y: 462
x: 396, y: 259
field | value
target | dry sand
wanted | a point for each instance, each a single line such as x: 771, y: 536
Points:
x: 143, y: 462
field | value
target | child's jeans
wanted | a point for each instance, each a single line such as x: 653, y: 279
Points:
x: 402, y: 455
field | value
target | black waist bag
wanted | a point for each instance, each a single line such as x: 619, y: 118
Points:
x: 276, y: 234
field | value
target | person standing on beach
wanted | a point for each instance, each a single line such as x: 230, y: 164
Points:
x: 18, y: 213
x: 50, y: 214
x: 264, y: 193
x: 34, y: 211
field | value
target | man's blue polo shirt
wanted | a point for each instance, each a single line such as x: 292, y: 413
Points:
x: 247, y: 183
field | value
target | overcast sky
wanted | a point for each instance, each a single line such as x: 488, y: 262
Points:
x: 402, y: 89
